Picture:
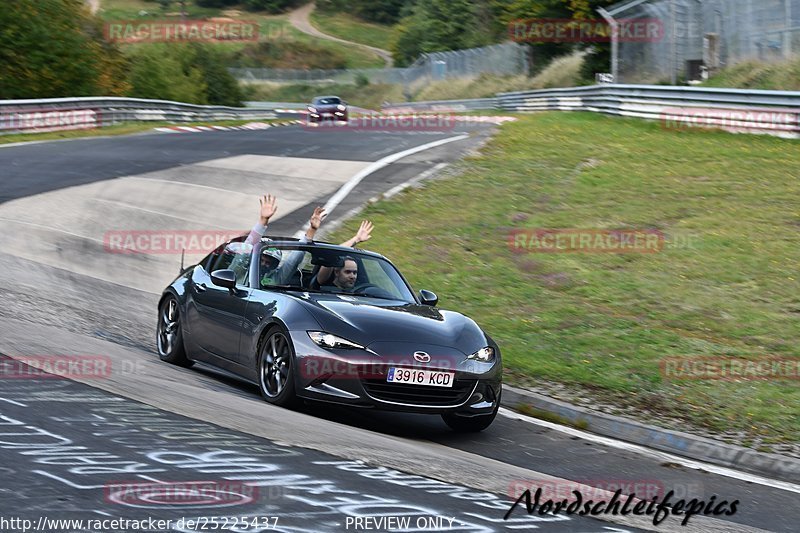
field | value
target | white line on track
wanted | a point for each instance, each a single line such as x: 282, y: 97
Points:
x: 201, y: 223
x: 347, y: 188
x: 49, y: 228
x: 12, y: 402
x: 641, y: 450
x: 178, y: 182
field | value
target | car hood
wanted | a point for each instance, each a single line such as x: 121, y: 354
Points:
x: 371, y: 321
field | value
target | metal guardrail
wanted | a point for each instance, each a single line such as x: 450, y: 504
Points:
x: 444, y: 105
x: 277, y: 105
x: 739, y: 110
x: 54, y: 114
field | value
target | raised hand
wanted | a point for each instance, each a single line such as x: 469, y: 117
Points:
x: 269, y: 204
x: 316, y: 218
x: 364, y: 232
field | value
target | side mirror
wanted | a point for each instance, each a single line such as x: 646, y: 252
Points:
x: 428, y: 298
x: 224, y: 278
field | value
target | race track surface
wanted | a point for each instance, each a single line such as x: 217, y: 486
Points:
x: 96, y: 447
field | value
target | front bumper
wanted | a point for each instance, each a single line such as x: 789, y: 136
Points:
x: 332, y: 115
x: 358, y: 378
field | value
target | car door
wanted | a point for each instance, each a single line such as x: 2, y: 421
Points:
x: 216, y: 313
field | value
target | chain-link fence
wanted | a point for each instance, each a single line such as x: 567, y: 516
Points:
x: 502, y: 59
x: 697, y: 37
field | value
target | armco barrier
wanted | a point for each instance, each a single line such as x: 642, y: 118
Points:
x: 20, y: 116
x: 740, y: 110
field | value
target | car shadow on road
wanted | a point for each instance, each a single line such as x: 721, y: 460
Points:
x: 405, y: 425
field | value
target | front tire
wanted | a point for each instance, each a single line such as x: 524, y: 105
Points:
x: 169, y: 334
x: 276, y: 369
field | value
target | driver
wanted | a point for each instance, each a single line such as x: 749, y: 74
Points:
x: 344, y: 277
x: 325, y: 275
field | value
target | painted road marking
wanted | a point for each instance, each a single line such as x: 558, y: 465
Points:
x: 662, y: 456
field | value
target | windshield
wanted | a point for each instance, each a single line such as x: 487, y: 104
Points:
x: 313, y: 269
x: 328, y: 101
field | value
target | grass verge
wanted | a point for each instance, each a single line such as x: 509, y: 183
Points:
x: 352, y: 29
x: 369, y: 96
x: 547, y: 416
x: 275, y: 33
x: 726, y: 283
x: 783, y: 76
x: 563, y: 72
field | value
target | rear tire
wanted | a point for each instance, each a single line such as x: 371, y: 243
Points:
x: 169, y: 334
x: 276, y: 368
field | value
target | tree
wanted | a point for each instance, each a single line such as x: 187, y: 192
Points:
x: 508, y: 11
x: 271, y: 6
x: 438, y: 25
x: 185, y: 72
x: 380, y: 11
x: 221, y: 87
x: 55, y: 48
x: 166, y: 72
x: 214, y: 3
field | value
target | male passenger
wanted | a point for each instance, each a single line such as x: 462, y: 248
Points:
x: 274, y: 269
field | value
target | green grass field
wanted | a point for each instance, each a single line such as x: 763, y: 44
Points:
x: 370, y: 96
x: 781, y: 76
x: 274, y: 28
x: 726, y: 282
x: 352, y: 29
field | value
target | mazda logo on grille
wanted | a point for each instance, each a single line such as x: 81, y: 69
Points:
x: 422, y: 357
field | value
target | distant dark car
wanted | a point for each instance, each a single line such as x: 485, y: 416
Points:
x: 374, y: 345
x: 327, y: 108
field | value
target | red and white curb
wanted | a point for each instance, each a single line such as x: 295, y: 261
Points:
x: 354, y: 122
x: 491, y: 119
x: 250, y: 126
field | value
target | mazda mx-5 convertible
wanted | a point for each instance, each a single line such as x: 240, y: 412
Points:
x: 364, y: 341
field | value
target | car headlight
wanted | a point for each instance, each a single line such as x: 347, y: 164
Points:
x: 340, y: 107
x: 312, y: 109
x: 483, y: 355
x: 327, y: 340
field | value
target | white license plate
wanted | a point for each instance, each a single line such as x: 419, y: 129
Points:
x: 415, y: 376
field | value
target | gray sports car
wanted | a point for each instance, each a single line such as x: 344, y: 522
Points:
x: 327, y: 108
x: 360, y: 338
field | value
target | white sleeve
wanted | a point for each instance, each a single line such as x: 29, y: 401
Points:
x: 256, y: 233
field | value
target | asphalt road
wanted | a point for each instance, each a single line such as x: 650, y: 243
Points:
x: 74, y: 453
x: 61, y: 305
